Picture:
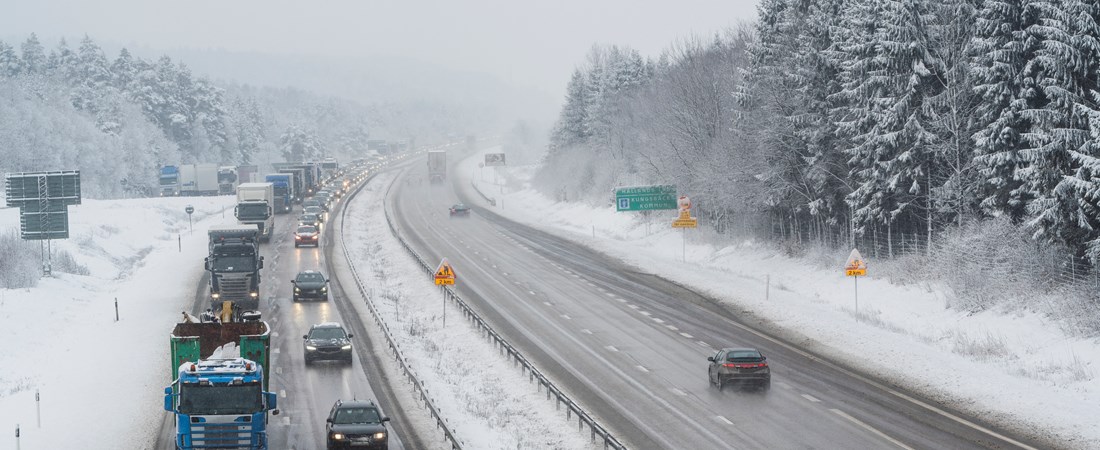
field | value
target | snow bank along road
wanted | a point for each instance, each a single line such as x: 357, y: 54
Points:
x: 632, y: 348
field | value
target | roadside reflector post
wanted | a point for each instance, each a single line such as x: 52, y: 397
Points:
x: 38, y: 407
x: 768, y: 287
x: 16, y: 436
x: 116, y: 309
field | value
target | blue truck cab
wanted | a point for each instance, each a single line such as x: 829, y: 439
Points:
x: 169, y: 181
x: 220, y: 403
x: 283, y: 191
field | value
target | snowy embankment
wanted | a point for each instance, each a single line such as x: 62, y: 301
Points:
x: 100, y: 381
x: 487, y: 401
x: 1017, y: 369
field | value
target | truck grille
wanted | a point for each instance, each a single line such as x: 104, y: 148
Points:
x: 234, y: 286
x: 223, y: 435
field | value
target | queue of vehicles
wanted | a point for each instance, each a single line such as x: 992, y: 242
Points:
x: 220, y: 392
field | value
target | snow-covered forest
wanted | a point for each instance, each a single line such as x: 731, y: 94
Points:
x: 118, y: 120
x: 970, y: 127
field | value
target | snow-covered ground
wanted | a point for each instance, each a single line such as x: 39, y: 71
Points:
x: 1016, y: 368
x: 100, y: 382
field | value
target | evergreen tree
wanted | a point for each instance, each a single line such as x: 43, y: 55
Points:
x: 34, y: 55
x: 10, y: 64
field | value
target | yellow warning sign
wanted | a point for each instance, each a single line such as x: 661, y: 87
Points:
x: 689, y: 222
x: 444, y: 274
x: 856, y: 266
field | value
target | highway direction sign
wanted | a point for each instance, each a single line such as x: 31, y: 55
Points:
x: 645, y: 198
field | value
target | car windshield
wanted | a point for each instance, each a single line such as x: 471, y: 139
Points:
x: 327, y: 333
x: 310, y: 277
x: 744, y: 356
x: 308, y: 218
x: 311, y: 202
x: 356, y: 415
x: 232, y: 263
x: 313, y: 209
x: 307, y: 230
x: 218, y: 400
x: 252, y: 210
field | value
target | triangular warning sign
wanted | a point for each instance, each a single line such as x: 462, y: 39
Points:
x: 444, y: 270
x: 855, y: 261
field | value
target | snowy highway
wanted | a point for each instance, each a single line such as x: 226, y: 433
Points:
x: 632, y: 348
x: 306, y: 394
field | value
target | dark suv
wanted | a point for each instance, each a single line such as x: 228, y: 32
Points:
x: 327, y: 341
x: 739, y: 366
x: 310, y: 284
x: 356, y: 424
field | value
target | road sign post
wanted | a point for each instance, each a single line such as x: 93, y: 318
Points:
x: 444, y: 276
x: 855, y: 267
x: 683, y: 222
x: 189, y: 210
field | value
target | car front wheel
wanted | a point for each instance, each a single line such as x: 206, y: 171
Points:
x: 720, y: 384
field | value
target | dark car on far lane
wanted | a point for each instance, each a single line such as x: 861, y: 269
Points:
x: 460, y: 210
x: 739, y: 366
x: 327, y: 341
x: 309, y: 219
x: 310, y: 284
x: 356, y: 424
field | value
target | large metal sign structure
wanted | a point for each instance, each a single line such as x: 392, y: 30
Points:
x: 43, y: 199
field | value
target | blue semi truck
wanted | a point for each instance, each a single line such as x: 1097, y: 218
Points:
x: 220, y: 393
x: 284, y: 192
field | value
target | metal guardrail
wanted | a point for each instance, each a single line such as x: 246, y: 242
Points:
x: 552, y: 391
x: 492, y: 201
x: 409, y: 373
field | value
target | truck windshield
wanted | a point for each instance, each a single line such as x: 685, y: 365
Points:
x: 217, y: 400
x: 252, y: 210
x: 233, y: 263
x: 167, y: 180
x: 280, y: 190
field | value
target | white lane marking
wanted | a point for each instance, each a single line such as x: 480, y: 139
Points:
x: 601, y: 289
x: 586, y: 331
x: 686, y: 335
x: 870, y: 428
x: 678, y: 391
x: 612, y: 348
x: 658, y: 320
x: 642, y: 368
x: 282, y: 393
x: 671, y: 327
x: 274, y: 334
x: 621, y: 300
x: 633, y: 306
x: 645, y: 313
x: 612, y: 295
x: 504, y: 273
x: 276, y: 351
x: 566, y: 317
x: 723, y: 419
x: 547, y: 303
x: 590, y: 283
x: 575, y: 275
x: 517, y: 283
x: 811, y: 398
x: 704, y: 344
x: 279, y: 370
x: 531, y: 292
x: 494, y: 266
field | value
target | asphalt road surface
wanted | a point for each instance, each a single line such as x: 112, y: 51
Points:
x: 632, y: 348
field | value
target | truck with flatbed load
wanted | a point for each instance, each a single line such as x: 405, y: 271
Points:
x: 234, y: 263
x: 254, y: 207
x: 220, y: 392
x: 437, y: 166
x: 283, y: 185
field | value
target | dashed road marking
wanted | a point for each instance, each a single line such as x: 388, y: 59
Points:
x: 282, y: 393
x: 678, y: 391
x: 645, y: 313
x: 811, y: 398
x: 704, y: 344
x: 586, y: 331
x: 658, y: 320
x: 686, y: 335
x: 547, y: 303
x: 612, y: 348
x: 611, y: 294
x: 869, y: 428
x: 723, y: 419
x: 642, y: 368
x: 566, y: 317
x: 671, y: 327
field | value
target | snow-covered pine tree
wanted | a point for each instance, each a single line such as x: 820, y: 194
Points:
x: 10, y: 64
x: 34, y: 55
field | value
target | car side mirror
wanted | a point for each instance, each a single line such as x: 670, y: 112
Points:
x: 261, y: 262
x: 349, y: 336
x: 329, y: 420
x: 293, y: 281
x: 710, y: 358
x: 305, y: 336
x: 385, y: 419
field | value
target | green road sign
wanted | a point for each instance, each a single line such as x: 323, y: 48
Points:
x: 52, y: 223
x: 43, y: 199
x: 645, y: 198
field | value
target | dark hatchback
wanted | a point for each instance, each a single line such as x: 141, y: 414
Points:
x: 739, y: 366
x: 356, y: 424
x: 310, y: 284
x: 327, y: 341
x: 460, y: 210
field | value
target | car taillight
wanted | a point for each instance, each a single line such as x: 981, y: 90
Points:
x: 745, y: 366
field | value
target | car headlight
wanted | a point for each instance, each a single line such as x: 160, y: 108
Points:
x: 215, y: 295
x: 337, y: 436
x: 311, y: 348
x: 255, y: 294
x: 297, y: 290
x: 380, y: 435
x: 346, y: 347
x: 324, y: 289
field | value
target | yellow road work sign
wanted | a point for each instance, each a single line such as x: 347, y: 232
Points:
x: 444, y: 274
x: 856, y: 266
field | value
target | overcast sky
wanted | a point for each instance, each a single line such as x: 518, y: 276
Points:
x: 528, y: 43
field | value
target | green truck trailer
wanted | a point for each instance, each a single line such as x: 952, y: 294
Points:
x: 192, y: 342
